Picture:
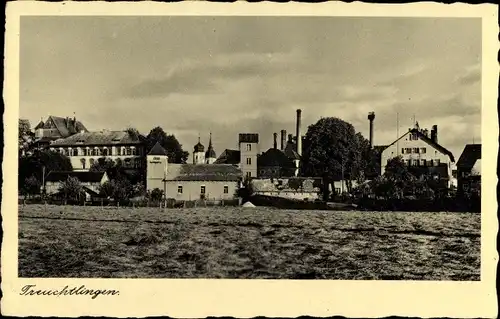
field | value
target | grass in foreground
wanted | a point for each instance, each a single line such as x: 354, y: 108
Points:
x: 89, y: 242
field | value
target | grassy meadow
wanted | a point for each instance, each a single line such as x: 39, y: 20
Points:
x: 235, y: 242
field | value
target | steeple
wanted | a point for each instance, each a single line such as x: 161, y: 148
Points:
x: 210, y: 155
x: 199, y: 153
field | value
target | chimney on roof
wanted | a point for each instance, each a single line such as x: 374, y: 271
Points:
x: 371, y: 117
x: 275, y: 137
x: 298, y: 132
x: 434, y: 134
x: 290, y: 138
x: 283, y: 139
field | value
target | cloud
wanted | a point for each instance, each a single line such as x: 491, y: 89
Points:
x: 470, y: 76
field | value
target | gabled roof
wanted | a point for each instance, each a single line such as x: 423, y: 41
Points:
x: 99, y: 138
x: 426, y: 139
x: 65, y: 126
x: 275, y: 157
x: 84, y: 176
x: 229, y: 157
x: 157, y: 149
x: 203, y: 172
x: 39, y: 125
x: 469, y: 156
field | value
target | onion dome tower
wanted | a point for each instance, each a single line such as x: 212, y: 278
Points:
x: 199, y: 153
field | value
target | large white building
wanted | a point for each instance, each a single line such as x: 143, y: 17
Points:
x: 85, y: 148
x: 420, y: 150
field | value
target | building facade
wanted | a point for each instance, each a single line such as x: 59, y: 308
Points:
x: 249, y: 149
x: 469, y: 168
x: 85, y: 148
x: 420, y: 152
x: 55, y: 128
x: 186, y: 182
x: 90, y: 182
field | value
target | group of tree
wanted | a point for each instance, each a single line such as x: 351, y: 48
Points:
x: 169, y: 142
x: 333, y: 150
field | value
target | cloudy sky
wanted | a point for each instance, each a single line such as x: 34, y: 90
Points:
x: 193, y: 75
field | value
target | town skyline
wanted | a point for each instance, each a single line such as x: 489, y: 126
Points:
x: 116, y: 72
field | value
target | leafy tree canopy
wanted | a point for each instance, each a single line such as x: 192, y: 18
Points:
x: 32, y: 165
x: 169, y: 142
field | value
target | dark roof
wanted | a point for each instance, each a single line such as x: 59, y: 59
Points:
x: 86, y: 177
x: 274, y: 157
x: 198, y: 148
x: 380, y: 148
x: 428, y: 140
x: 249, y: 138
x: 65, y: 126
x: 290, y: 151
x: 99, y: 138
x: 203, y: 172
x: 158, y: 150
x: 469, y: 157
x: 229, y: 157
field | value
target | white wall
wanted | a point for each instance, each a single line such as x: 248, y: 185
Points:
x: 156, y: 170
x: 430, y: 152
x: 246, y: 154
x: 191, y: 190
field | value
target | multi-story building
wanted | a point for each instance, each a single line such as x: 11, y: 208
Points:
x: 249, y: 149
x: 469, y: 168
x: 85, y: 148
x: 421, y: 153
x: 55, y: 128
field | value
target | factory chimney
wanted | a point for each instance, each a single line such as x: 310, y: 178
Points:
x: 283, y: 139
x: 275, y: 136
x: 434, y: 134
x: 298, y: 132
x: 371, y: 117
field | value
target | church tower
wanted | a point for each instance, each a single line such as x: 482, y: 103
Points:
x: 210, y: 156
x: 156, y: 167
x: 199, y: 153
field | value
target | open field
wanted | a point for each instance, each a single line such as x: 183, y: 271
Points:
x: 57, y: 241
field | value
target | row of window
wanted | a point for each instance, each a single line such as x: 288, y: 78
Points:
x: 422, y: 162
x: 414, y: 150
x: 98, y: 151
x: 128, y: 162
x: 203, y: 189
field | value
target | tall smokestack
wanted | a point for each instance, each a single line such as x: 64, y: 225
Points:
x: 298, y: 132
x: 275, y: 136
x: 371, y: 117
x: 283, y: 139
x: 434, y: 134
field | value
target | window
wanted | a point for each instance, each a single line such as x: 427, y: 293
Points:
x: 179, y: 189
x: 84, y: 162
x: 337, y: 190
x: 431, y: 163
x: 407, y: 162
x: 133, y: 151
x: 85, y: 152
x: 437, y: 162
x: 75, y: 152
x: 202, y: 189
x: 415, y: 163
x: 249, y: 174
x: 408, y: 150
x: 249, y: 161
x: 402, y: 151
x: 105, y: 151
x: 118, y: 151
x: 226, y: 189
x: 249, y: 147
x: 91, y: 162
x: 422, y: 162
x: 423, y: 150
x: 416, y: 150
x: 128, y: 151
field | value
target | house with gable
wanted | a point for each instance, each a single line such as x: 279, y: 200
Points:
x: 54, y: 128
x: 469, y: 168
x: 421, y: 152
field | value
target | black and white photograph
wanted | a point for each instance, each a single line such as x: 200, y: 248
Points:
x: 250, y: 147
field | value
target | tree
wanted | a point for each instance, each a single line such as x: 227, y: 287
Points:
x: 31, y: 186
x: 156, y: 194
x: 33, y: 164
x: 25, y: 137
x: 169, y: 142
x: 113, y: 169
x: 71, y: 188
x: 332, y: 150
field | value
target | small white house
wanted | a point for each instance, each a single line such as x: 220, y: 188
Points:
x: 91, y: 181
